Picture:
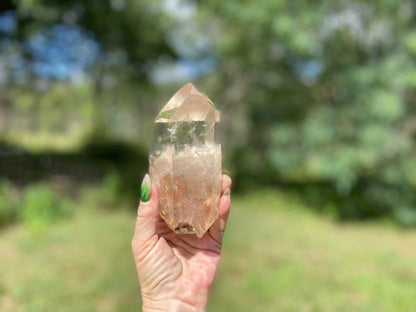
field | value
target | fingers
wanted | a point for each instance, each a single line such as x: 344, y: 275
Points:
x: 217, y: 229
x: 145, y: 234
x: 225, y: 182
x: 146, y: 231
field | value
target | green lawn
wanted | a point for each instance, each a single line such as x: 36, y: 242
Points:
x: 277, y: 256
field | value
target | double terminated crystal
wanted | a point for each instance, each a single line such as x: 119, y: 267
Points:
x: 185, y: 164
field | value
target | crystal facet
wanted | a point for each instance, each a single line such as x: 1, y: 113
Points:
x: 185, y: 164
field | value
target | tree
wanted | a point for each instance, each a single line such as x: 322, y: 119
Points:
x: 329, y: 90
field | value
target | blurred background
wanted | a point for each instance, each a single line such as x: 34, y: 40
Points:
x: 318, y: 102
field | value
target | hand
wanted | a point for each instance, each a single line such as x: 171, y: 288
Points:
x: 176, y: 271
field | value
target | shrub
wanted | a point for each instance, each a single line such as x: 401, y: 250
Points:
x: 41, y: 206
x: 109, y: 191
x: 8, y: 203
x: 405, y: 216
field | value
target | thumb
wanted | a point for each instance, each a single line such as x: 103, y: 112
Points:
x: 145, y: 234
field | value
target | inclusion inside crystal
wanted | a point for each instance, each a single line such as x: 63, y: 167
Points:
x: 185, y: 165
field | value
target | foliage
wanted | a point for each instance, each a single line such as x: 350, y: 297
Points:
x: 124, y: 29
x: 329, y: 90
x: 41, y: 206
x: 108, y: 195
x: 315, y: 95
x: 9, y: 203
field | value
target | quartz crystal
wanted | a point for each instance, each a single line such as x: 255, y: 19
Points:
x: 185, y: 164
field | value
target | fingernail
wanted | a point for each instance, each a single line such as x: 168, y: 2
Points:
x: 227, y: 172
x: 227, y: 192
x: 145, y: 189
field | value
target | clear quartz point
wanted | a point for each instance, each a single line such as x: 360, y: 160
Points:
x: 185, y: 164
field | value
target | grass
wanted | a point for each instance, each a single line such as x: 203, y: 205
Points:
x: 277, y: 256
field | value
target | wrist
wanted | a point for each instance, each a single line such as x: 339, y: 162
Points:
x: 184, y: 298
x: 171, y: 305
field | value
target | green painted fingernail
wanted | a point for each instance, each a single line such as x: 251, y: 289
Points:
x: 145, y: 189
x: 227, y: 172
x: 227, y: 192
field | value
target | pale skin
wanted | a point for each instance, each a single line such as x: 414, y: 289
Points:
x: 176, y: 271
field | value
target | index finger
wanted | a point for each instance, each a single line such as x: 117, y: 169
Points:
x: 225, y: 183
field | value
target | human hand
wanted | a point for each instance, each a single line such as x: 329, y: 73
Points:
x: 176, y: 271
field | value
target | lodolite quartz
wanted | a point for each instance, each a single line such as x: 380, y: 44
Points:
x: 185, y: 164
